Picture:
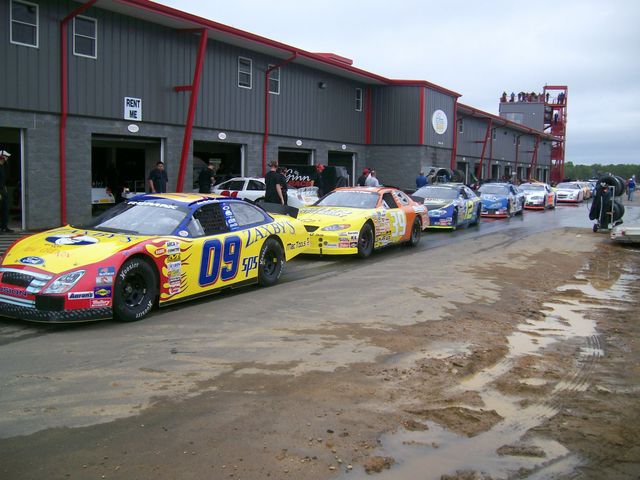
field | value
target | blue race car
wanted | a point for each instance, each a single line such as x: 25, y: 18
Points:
x: 501, y: 200
x: 450, y: 205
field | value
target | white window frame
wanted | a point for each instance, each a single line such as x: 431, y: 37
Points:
x: 250, y: 86
x: 359, y: 98
x: 95, y: 39
x: 37, y: 25
x: 460, y: 126
x: 276, y: 80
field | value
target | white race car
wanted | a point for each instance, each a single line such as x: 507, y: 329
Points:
x: 253, y: 190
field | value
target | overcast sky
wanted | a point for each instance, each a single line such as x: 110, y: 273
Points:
x: 478, y: 49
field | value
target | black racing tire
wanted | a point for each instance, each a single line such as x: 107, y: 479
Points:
x: 259, y: 201
x: 521, y: 212
x: 135, y: 290
x: 454, y: 220
x: 271, y: 262
x: 366, y: 240
x: 416, y: 234
x: 478, y: 214
x: 509, y: 214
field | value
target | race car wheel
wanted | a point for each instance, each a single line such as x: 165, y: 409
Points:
x: 454, y: 220
x: 521, y: 211
x: 271, y: 263
x: 365, y: 241
x: 135, y: 290
x: 509, y: 212
x: 476, y: 221
x: 416, y: 233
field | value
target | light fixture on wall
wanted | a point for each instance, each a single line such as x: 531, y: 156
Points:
x: 222, y: 136
x: 299, y: 143
x: 322, y: 85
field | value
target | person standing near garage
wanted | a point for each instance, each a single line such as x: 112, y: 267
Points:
x: 4, y: 200
x: 158, y: 179
x: 276, y: 185
x: 206, y: 179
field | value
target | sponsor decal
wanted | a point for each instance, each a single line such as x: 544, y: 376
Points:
x: 14, y: 292
x: 298, y: 244
x: 183, y: 233
x: 160, y: 251
x: 248, y: 264
x: 173, y: 247
x: 31, y: 260
x: 153, y: 204
x: 101, y: 303
x: 174, y: 290
x: 67, y: 239
x: 124, y: 272
x: 174, y: 257
x: 104, y: 271
x: 353, y: 244
x: 174, y: 266
x: 344, y: 244
x: 80, y: 295
x: 102, y: 292
x: 173, y: 281
x: 276, y: 228
x: 104, y: 280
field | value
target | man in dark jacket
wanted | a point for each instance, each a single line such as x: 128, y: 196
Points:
x: 206, y: 179
x: 4, y: 196
x: 363, y: 178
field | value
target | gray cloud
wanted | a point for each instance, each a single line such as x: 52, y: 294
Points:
x: 479, y: 49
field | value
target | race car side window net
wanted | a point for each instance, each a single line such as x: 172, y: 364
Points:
x: 211, y: 218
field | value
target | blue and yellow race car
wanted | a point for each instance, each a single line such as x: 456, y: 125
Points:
x: 450, y: 205
x: 150, y: 250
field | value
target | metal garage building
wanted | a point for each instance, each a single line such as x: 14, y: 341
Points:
x: 101, y: 89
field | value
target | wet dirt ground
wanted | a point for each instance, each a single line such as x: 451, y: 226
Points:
x: 501, y: 358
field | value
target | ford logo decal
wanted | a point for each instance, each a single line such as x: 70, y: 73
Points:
x: 31, y: 260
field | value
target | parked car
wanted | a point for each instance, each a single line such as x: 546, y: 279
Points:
x: 538, y: 196
x: 450, y: 205
x: 253, y: 189
x: 569, y: 192
x: 501, y: 200
x: 151, y: 250
x: 357, y: 220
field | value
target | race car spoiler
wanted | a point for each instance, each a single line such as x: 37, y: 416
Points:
x: 279, y: 209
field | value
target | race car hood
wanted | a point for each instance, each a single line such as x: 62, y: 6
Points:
x: 436, y: 203
x: 65, y: 248
x: 318, y: 215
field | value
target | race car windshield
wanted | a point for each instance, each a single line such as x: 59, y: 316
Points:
x: 349, y: 199
x: 437, y: 192
x: 140, y: 218
x: 536, y: 188
x: 569, y: 186
x: 494, y: 189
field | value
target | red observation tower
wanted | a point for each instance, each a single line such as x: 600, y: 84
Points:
x: 555, y: 123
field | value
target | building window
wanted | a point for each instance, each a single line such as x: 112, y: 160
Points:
x: 493, y: 133
x: 358, y: 99
x: 460, y: 126
x: 244, y: 72
x: 85, y: 37
x: 514, y: 138
x: 274, y: 81
x: 24, y: 23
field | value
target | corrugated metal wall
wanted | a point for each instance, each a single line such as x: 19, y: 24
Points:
x: 395, y: 115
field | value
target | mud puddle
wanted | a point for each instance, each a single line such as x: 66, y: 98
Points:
x: 502, y: 444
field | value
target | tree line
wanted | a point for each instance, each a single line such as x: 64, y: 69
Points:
x: 584, y: 172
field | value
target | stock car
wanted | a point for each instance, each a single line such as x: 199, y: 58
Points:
x: 569, y: 192
x: 450, y: 205
x: 253, y: 190
x: 538, y: 196
x: 357, y: 220
x: 501, y: 200
x: 151, y: 249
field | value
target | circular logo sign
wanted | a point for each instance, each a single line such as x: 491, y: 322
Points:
x: 439, y: 121
x: 31, y: 260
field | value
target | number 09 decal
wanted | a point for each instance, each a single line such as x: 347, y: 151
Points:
x: 220, y: 261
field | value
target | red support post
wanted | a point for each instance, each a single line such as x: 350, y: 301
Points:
x: 193, y: 100
x: 265, y: 136
x: 64, y: 105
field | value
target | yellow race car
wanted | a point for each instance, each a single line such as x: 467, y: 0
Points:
x: 150, y: 250
x: 356, y: 220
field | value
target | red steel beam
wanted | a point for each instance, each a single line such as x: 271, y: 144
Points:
x: 64, y: 104
x: 265, y: 137
x: 193, y: 100
x: 454, y: 150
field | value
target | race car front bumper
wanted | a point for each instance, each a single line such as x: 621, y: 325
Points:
x: 47, y: 310
x: 329, y: 243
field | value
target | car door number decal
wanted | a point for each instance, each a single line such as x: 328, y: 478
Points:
x: 220, y: 261
x: 398, y: 224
